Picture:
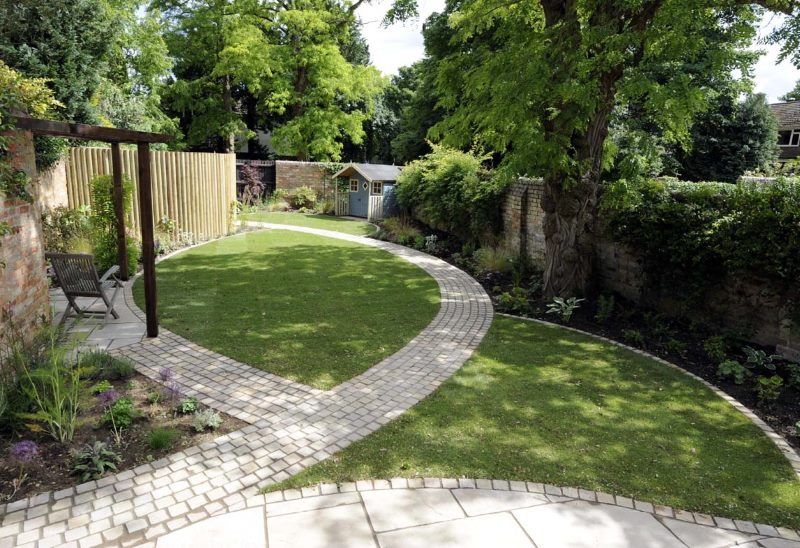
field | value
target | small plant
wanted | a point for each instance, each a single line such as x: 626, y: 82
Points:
x: 101, y: 386
x: 769, y: 389
x: 716, y: 348
x: 22, y: 454
x: 432, y: 244
x: 304, y: 197
x: 106, y: 366
x: 605, y: 308
x: 564, y: 308
x: 154, y: 397
x: 401, y: 229
x: 162, y: 438
x: 493, y: 259
x: 119, y: 413
x: 757, y: 359
x: 633, y: 337
x: 793, y: 370
x: 734, y: 370
x: 172, y: 391
x: 674, y: 346
x: 515, y: 301
x: 166, y: 374
x: 94, y: 460
x: 419, y: 242
x: 797, y: 429
x: 208, y: 419
x: 187, y: 405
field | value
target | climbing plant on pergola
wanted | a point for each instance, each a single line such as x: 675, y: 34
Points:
x: 116, y: 136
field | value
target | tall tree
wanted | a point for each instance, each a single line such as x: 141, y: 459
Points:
x: 543, y: 85
x: 793, y: 95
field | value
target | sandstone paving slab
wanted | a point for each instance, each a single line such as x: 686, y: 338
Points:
x: 242, y: 529
x: 395, y: 509
x: 779, y: 543
x: 336, y: 527
x: 499, y: 530
x: 587, y: 525
x: 484, y: 501
x: 311, y: 503
x: 703, y: 536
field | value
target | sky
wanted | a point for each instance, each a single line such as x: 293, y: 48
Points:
x: 401, y: 45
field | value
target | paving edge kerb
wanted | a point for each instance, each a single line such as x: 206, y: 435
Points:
x: 554, y: 493
x: 783, y: 446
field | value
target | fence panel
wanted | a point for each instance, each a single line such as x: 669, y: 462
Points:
x: 194, y: 189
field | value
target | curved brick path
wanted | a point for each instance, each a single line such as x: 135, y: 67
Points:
x: 467, y: 513
x: 292, y: 427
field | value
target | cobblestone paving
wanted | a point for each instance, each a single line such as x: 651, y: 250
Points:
x: 292, y: 427
x: 467, y: 513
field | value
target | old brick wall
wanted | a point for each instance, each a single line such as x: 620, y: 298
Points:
x: 749, y: 306
x: 291, y: 175
x: 23, y: 279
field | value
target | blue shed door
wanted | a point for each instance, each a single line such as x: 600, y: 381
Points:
x: 359, y: 201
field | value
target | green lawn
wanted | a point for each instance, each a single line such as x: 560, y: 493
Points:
x: 324, y: 222
x: 312, y: 309
x: 543, y: 404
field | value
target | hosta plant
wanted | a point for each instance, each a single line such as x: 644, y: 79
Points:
x: 564, y: 308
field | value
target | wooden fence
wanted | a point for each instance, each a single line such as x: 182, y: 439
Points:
x: 194, y: 189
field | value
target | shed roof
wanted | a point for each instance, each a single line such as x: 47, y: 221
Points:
x: 371, y: 172
x: 788, y: 114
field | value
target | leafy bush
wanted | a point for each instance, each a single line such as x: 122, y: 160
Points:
x: 674, y: 346
x: 103, y: 222
x: 304, y: 196
x: 633, y: 337
x: 605, y: 308
x: 162, y: 438
x: 279, y: 194
x: 564, y: 308
x: 401, y: 229
x: 101, y: 386
x: 716, y: 348
x: 119, y: 414
x: 451, y: 191
x: 734, y: 370
x: 793, y: 371
x: 493, y: 259
x: 690, y: 236
x: 758, y: 359
x: 515, y: 301
x: 94, y: 460
x: 106, y: 366
x: 207, y: 419
x: 154, y: 398
x: 187, y: 405
x: 769, y: 389
x: 66, y: 230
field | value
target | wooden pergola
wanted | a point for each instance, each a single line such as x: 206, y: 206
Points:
x: 116, y: 136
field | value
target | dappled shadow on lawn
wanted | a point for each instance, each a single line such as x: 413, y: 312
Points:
x: 311, y: 309
x: 542, y: 404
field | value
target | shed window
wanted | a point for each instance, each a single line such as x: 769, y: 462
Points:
x: 377, y: 187
x: 789, y: 138
x: 353, y: 185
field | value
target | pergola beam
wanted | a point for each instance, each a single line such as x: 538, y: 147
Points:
x: 92, y: 133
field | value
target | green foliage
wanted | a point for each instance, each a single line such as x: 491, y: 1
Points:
x: 154, y: 397
x: 758, y: 359
x: 690, y: 236
x: 769, y: 389
x: 106, y: 366
x: 797, y: 429
x: 793, y: 95
x: 207, y: 419
x: 605, y: 308
x: 401, y: 229
x: 633, y: 337
x: 564, y: 308
x: 734, y: 370
x: 716, y: 348
x: 120, y: 414
x: 162, y: 438
x: 451, y: 191
x: 66, y: 230
x: 187, y: 405
x: 497, y: 258
x: 326, y: 206
x: 103, y: 221
x: 94, y: 460
x: 674, y: 346
x: 101, y: 386
x: 304, y: 197
x: 793, y: 370
x: 514, y: 301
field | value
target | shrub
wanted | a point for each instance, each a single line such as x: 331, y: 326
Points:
x: 401, y: 229
x: 162, y: 438
x: 564, y: 308
x: 452, y: 191
x: 279, y: 194
x: 633, y: 337
x: 103, y: 223
x: 207, y: 419
x: 674, y: 346
x: 432, y: 244
x: 716, y: 348
x: 119, y: 414
x: 793, y: 371
x: 515, y: 301
x: 278, y: 205
x: 187, y: 405
x: 106, y: 366
x: 734, y: 370
x: 154, y: 398
x: 605, y: 308
x: 493, y: 259
x: 304, y: 196
x: 326, y: 206
x: 94, y: 460
x: 254, y: 186
x: 769, y: 389
x: 66, y: 230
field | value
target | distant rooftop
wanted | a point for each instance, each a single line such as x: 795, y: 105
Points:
x: 788, y: 114
x: 371, y: 172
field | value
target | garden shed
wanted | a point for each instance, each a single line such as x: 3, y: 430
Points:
x: 367, y: 190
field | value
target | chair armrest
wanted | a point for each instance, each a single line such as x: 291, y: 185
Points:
x: 110, y: 272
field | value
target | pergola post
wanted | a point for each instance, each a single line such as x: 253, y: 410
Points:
x: 119, y: 210
x: 148, y: 246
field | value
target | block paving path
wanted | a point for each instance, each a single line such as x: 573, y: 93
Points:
x: 207, y: 495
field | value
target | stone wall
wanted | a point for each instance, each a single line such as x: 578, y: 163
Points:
x: 748, y: 306
x: 52, y: 187
x: 291, y: 175
x: 23, y: 279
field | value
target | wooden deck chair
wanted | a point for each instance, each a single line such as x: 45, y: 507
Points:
x: 78, y: 278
